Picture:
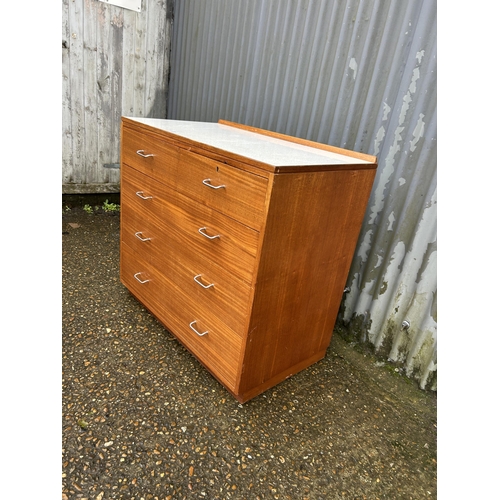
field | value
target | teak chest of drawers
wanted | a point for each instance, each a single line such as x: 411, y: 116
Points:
x: 239, y: 241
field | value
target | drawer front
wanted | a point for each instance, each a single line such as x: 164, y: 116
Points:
x: 208, y: 338
x: 234, y: 192
x: 212, y: 239
x: 214, y: 290
x: 149, y: 155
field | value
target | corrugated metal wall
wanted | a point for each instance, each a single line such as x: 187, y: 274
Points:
x: 359, y: 74
x: 115, y: 62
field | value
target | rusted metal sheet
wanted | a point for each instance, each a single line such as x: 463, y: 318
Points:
x: 115, y: 62
x: 359, y: 74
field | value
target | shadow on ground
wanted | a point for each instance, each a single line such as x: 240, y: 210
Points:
x: 142, y: 419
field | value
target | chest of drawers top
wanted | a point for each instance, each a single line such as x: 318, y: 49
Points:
x: 261, y: 149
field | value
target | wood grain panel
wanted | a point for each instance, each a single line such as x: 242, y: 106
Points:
x: 161, y: 158
x: 311, y: 233
x: 228, y: 298
x: 242, y: 197
x: 219, y: 350
x: 181, y: 219
x: 73, y: 99
x: 109, y: 87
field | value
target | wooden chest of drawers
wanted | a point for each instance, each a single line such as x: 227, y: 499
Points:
x: 239, y: 241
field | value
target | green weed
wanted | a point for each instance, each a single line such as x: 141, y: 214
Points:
x: 110, y: 207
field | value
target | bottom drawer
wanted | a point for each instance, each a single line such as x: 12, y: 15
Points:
x: 214, y: 344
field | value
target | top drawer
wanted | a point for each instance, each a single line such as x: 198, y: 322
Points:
x: 234, y: 192
x: 150, y: 155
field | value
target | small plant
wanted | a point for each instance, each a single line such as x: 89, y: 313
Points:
x: 88, y: 209
x: 67, y: 209
x: 110, y: 207
x: 84, y: 425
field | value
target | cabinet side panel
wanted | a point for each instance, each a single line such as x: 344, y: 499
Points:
x: 312, y: 228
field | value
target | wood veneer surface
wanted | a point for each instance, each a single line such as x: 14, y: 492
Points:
x: 311, y: 233
x: 181, y: 218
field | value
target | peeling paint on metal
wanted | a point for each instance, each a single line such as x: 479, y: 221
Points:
x: 418, y: 132
x: 365, y: 246
x: 413, y: 84
x: 354, y: 66
x: 387, y: 110
x: 378, y: 313
x: 391, y: 219
x: 385, y: 176
x: 378, y: 139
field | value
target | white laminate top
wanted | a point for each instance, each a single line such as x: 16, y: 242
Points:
x: 261, y: 148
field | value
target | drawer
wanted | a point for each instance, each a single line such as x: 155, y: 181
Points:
x: 234, y: 192
x: 213, y: 289
x: 209, y: 339
x: 150, y: 155
x: 211, y: 238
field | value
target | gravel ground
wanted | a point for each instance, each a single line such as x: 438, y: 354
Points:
x: 141, y: 419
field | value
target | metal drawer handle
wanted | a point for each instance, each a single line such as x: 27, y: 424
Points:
x: 195, y: 330
x: 142, y: 239
x: 139, y: 280
x: 200, y: 283
x: 140, y: 193
x: 202, y: 231
x: 207, y: 183
x: 141, y: 153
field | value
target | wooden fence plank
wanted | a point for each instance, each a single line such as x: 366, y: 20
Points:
x: 115, y: 62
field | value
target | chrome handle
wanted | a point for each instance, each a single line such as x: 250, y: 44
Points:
x: 142, y: 239
x: 195, y: 330
x: 207, y: 183
x: 141, y: 153
x: 140, y: 193
x: 200, y: 283
x: 139, y: 280
x: 202, y: 231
